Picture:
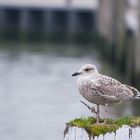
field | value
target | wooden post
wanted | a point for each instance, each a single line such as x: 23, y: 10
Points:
x: 111, y: 23
x: 24, y: 22
x: 104, y: 19
x: 123, y: 133
x: 131, y: 46
x: 2, y: 20
x: 118, y: 28
x: 72, y: 22
x: 48, y: 21
x: 137, y: 48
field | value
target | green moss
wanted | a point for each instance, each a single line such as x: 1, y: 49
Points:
x: 96, y: 130
x: 89, y: 124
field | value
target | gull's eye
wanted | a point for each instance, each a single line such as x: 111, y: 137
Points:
x: 86, y: 70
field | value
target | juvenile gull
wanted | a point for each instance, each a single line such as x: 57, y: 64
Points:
x: 101, y: 89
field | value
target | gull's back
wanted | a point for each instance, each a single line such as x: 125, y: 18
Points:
x: 102, y: 90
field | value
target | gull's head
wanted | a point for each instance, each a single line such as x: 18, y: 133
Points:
x: 87, y: 69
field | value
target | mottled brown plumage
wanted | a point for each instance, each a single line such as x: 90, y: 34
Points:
x: 101, y: 89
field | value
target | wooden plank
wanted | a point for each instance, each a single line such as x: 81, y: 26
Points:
x: 123, y: 133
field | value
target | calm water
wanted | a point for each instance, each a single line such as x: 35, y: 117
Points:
x: 38, y: 94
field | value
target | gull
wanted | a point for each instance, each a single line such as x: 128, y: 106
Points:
x: 101, y: 89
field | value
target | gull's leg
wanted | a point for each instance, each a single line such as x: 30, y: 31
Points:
x: 92, y: 109
x: 97, y: 115
x: 106, y: 105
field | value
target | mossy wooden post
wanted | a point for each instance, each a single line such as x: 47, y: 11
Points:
x: 85, y: 129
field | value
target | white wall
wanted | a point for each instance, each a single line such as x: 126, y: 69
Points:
x: 53, y: 3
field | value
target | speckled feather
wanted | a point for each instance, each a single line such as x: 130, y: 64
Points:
x: 104, y: 90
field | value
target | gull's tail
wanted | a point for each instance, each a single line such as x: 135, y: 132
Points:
x: 135, y: 92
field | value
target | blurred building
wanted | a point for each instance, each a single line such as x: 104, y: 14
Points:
x: 115, y: 21
x: 48, y: 15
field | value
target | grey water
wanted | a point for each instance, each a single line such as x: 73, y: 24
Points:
x: 37, y: 93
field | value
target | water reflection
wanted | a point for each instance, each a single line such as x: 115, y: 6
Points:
x: 38, y: 94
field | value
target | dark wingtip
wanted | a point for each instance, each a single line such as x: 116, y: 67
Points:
x: 137, y: 97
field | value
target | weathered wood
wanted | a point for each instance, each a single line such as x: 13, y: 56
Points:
x: 124, y: 133
x: 137, y: 50
x: 104, y: 19
x: 75, y: 133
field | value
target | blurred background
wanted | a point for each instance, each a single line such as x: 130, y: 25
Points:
x: 42, y: 42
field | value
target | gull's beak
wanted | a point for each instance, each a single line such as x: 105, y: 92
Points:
x: 76, y: 73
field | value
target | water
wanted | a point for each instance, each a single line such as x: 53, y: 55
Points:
x: 37, y: 93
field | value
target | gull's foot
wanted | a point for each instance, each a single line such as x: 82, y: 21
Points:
x: 93, y: 110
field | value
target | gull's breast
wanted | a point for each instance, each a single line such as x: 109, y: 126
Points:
x: 85, y: 89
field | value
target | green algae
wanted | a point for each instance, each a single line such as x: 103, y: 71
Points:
x: 93, y: 129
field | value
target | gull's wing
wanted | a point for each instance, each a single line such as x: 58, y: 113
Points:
x: 111, y: 89
x: 135, y: 91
